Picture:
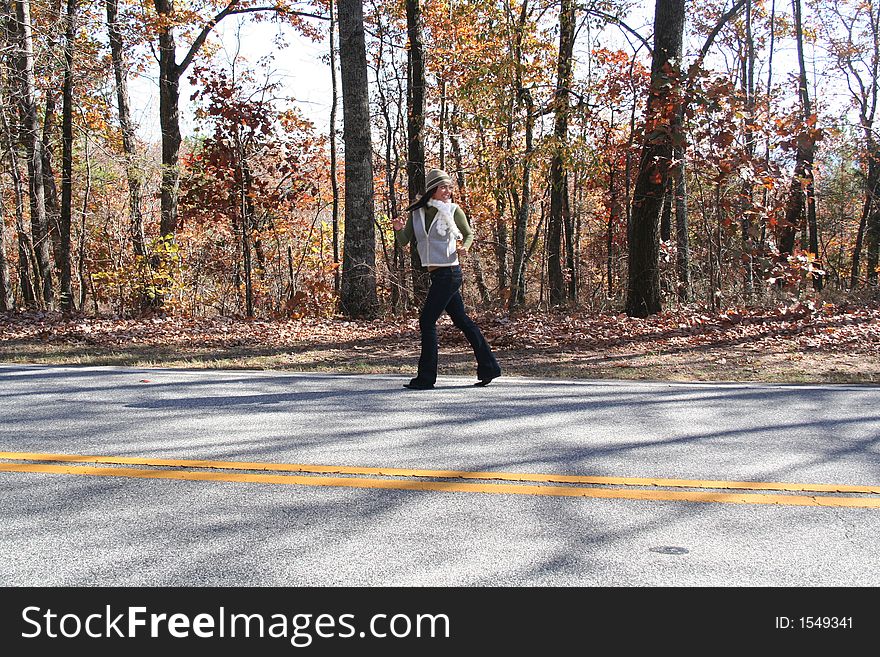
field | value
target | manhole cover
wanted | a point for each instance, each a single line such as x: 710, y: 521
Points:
x: 669, y: 549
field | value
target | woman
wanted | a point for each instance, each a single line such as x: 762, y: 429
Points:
x: 436, y: 224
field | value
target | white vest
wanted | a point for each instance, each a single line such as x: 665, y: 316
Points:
x: 435, y: 250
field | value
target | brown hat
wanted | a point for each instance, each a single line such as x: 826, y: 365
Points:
x: 433, y: 179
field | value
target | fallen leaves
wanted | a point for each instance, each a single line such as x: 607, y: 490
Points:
x: 172, y: 331
x: 829, y: 328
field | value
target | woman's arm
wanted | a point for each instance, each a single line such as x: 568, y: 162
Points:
x: 403, y: 230
x: 467, y: 233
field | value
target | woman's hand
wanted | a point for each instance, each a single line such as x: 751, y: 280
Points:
x: 398, y: 223
x: 462, y: 252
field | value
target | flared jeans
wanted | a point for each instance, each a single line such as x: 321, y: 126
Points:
x: 444, y: 295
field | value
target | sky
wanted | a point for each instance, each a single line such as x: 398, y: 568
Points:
x: 299, y: 67
x: 306, y: 77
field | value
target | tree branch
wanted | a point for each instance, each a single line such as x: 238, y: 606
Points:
x: 281, y: 10
x: 228, y: 11
x: 721, y: 23
x: 620, y: 23
x: 708, y: 44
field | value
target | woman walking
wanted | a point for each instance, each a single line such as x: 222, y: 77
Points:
x: 436, y: 224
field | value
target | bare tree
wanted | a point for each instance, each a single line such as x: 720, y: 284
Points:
x: 463, y: 192
x: 522, y: 202
x: 334, y: 184
x: 120, y: 72
x: 643, y: 290
x: 388, y: 105
x: 800, y: 198
x: 67, y: 300
x: 747, y: 84
x: 558, y: 178
x: 415, y: 129
x: 50, y: 110
x: 34, y: 146
x: 27, y: 266
x: 359, y: 250
x: 852, y: 30
x: 7, y: 302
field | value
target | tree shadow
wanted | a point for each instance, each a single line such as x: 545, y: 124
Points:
x: 220, y: 533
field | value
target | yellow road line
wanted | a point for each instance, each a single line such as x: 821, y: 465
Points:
x: 399, y: 484
x: 444, y: 474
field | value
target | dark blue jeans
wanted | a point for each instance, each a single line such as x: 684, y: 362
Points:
x: 443, y: 295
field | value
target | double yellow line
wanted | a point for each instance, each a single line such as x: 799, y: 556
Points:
x: 635, y: 488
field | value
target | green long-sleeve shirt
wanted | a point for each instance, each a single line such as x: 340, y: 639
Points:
x: 406, y: 235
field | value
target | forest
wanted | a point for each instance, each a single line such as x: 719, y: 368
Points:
x: 611, y: 155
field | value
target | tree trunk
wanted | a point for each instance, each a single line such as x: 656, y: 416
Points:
x: 666, y: 211
x: 870, y: 222
x: 613, y: 219
x: 7, y: 302
x: 813, y: 229
x: 809, y: 188
x: 872, y: 235
x: 746, y: 205
x: 799, y: 195
x: 415, y: 126
x: 572, y: 233
x: 334, y: 184
x: 397, y: 273
x: 359, y: 256
x: 84, y: 278
x: 53, y: 211
x: 869, y: 208
x: 794, y: 206
x: 27, y: 266
x: 463, y: 193
x: 518, y: 279
x: 50, y: 109
x: 666, y: 223
x: 682, y: 240
x: 246, y: 255
x: 401, y: 252
x: 501, y: 228
x: 558, y: 187
x: 392, y: 162
x: 643, y: 289
x: 169, y: 120
x: 761, y: 229
x: 246, y: 219
x: 34, y: 145
x: 67, y: 301
x: 521, y: 95
x: 864, y: 92
x: 117, y: 54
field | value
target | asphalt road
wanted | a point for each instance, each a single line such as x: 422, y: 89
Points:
x: 80, y: 529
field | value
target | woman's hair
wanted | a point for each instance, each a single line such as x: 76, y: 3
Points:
x: 423, y: 201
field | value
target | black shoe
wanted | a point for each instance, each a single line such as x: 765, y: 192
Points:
x: 415, y: 384
x: 482, y: 383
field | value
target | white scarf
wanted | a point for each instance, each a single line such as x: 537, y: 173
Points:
x: 444, y: 220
